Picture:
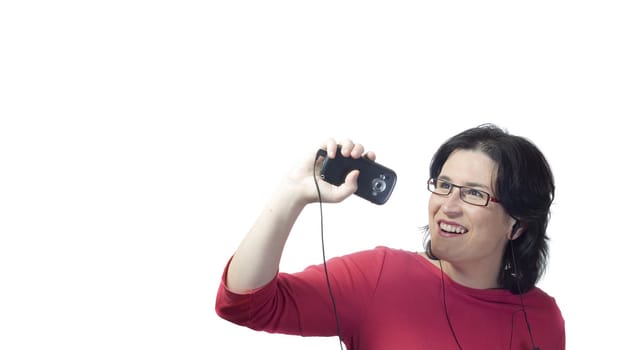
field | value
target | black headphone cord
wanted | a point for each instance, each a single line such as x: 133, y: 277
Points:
x: 524, y: 311
x: 337, y: 321
x: 324, y: 258
x: 453, y: 333
x: 516, y: 276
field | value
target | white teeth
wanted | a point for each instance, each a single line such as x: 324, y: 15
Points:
x: 452, y: 228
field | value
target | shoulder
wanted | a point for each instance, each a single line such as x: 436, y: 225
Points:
x: 385, y: 253
x: 545, y: 314
x: 542, y: 300
x: 405, y: 256
x: 388, y: 261
x: 376, y: 259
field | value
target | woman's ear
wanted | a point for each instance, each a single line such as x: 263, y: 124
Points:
x: 517, y: 230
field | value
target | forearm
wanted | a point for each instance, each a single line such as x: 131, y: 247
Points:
x: 257, y: 258
x: 256, y: 261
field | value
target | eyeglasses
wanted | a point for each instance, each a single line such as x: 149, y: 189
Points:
x: 468, y: 194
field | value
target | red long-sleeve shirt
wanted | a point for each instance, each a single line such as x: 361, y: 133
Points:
x: 392, y: 299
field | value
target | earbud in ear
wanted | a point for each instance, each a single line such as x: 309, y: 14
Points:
x: 514, y: 229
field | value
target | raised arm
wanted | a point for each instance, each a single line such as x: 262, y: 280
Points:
x: 256, y: 261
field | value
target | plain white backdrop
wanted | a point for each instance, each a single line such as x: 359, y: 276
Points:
x: 139, y: 140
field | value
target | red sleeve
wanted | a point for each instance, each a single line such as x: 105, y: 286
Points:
x: 300, y: 303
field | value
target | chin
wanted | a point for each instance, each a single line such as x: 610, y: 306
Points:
x: 436, y: 250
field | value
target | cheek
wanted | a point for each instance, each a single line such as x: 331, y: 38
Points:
x: 500, y: 226
x: 433, y: 206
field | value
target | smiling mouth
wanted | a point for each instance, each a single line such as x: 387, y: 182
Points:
x: 453, y: 229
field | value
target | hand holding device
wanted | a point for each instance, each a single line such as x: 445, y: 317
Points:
x: 375, y: 182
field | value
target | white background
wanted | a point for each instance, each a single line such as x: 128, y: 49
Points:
x: 139, y: 140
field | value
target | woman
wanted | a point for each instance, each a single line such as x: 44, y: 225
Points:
x: 473, y: 287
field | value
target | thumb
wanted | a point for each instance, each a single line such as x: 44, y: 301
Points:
x: 350, y: 184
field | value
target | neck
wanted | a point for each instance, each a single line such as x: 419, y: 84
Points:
x: 477, y: 277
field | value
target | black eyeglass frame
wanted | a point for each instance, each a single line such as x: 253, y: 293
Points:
x: 489, y: 198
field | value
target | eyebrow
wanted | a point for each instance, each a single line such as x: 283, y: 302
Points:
x: 467, y: 184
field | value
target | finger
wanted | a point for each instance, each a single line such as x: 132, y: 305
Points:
x: 332, y: 148
x: 330, y: 145
x: 357, y: 151
x: 347, y: 147
x: 371, y: 156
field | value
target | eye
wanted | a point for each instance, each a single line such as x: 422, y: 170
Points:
x: 442, y: 184
x: 475, y: 193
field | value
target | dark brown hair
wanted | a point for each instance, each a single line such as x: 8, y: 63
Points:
x: 525, y: 188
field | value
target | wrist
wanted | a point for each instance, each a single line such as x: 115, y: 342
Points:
x: 294, y: 194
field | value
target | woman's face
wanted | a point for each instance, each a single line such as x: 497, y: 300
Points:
x: 463, y: 233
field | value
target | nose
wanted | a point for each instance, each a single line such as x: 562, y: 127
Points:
x: 452, y: 204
